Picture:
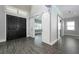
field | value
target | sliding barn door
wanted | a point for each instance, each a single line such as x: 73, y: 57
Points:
x: 16, y: 27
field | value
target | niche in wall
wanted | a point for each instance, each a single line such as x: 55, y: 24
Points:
x: 15, y: 27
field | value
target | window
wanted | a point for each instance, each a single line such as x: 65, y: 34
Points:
x: 71, y: 25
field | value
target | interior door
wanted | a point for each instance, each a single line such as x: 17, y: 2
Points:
x: 59, y: 27
x: 21, y: 27
x: 11, y: 27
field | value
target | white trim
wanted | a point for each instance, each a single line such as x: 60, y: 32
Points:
x: 5, y: 27
x: 16, y: 15
x: 2, y: 40
x: 28, y: 35
x: 52, y: 43
x: 72, y: 34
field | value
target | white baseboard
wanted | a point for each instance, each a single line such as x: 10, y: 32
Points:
x: 71, y: 35
x: 52, y: 43
x: 2, y: 40
x: 27, y: 35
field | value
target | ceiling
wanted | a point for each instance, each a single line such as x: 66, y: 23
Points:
x: 69, y: 10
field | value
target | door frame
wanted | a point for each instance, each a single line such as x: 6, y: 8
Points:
x: 61, y: 25
x: 40, y: 15
x: 33, y: 17
x: 6, y: 23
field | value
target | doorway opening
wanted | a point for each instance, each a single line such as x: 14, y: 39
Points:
x: 38, y: 28
x: 60, y: 27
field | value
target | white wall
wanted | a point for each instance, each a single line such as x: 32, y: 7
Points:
x: 72, y: 32
x: 49, y: 22
x: 46, y: 27
x: 54, y: 13
x: 49, y: 26
x: 37, y: 9
x: 31, y: 28
x: 2, y: 24
x: 53, y: 25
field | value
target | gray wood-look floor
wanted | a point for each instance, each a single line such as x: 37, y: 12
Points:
x: 66, y: 45
x: 26, y: 46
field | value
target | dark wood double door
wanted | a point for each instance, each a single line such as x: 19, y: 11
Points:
x: 16, y: 27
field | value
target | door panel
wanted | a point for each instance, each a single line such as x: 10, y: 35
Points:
x: 16, y: 27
